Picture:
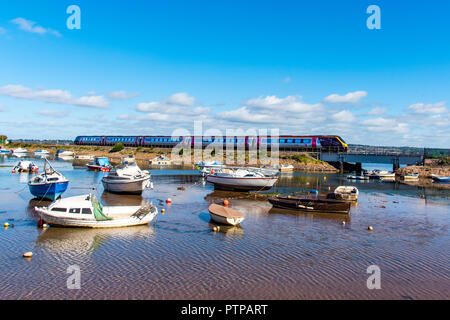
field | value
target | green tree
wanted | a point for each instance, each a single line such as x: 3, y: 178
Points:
x: 117, y: 147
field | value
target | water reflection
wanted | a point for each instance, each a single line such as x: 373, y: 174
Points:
x: 86, y: 241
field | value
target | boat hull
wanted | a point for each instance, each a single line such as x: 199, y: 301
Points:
x: 241, y: 184
x: 128, y: 187
x: 97, y: 168
x: 50, y: 191
x: 89, y: 223
x: 311, y: 205
x: 441, y: 179
x: 226, y: 220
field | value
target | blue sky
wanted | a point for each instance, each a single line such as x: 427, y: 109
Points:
x: 149, y: 67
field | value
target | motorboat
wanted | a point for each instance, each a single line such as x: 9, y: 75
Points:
x: 224, y: 215
x: 86, y: 211
x: 85, y: 157
x: 358, y: 177
x: 64, y: 153
x: 349, y: 193
x: 25, y: 166
x: 286, y: 168
x: 310, y: 204
x: 243, y: 179
x: 440, y: 179
x: 48, y: 185
x: 411, y: 177
x: 127, y: 178
x: 209, y: 166
x: 160, y: 161
x: 128, y: 160
x: 377, y: 174
x: 20, y: 151
x: 5, y: 151
x: 100, y: 164
x: 41, y: 153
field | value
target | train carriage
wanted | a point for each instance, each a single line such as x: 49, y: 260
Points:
x: 285, y: 143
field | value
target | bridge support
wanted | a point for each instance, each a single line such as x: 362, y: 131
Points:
x: 358, y: 167
x: 395, y: 164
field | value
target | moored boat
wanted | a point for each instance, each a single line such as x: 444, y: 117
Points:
x: 86, y: 211
x: 310, y: 204
x: 64, y: 153
x: 286, y: 168
x: 209, y: 166
x: 100, y: 164
x: 25, y: 166
x: 411, y: 177
x: 224, y: 215
x: 349, y: 193
x: 440, y: 179
x: 48, y: 185
x: 41, y: 152
x: 5, y: 151
x: 351, y: 177
x: 85, y: 157
x: 160, y: 161
x: 127, y: 179
x: 242, y: 179
x: 20, y: 151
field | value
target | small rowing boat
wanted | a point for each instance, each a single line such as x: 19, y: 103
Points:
x: 100, y: 164
x: 224, y: 215
x: 310, y: 204
x: 25, y: 166
x: 411, y: 177
x: 358, y: 177
x: 440, y: 179
x: 286, y: 168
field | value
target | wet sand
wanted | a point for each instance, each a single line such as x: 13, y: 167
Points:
x: 272, y: 255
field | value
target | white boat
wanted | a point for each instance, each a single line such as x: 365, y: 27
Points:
x: 41, y: 152
x: 347, y: 193
x: 209, y: 166
x: 358, y: 177
x: 25, y: 166
x: 243, y: 179
x: 20, y: 151
x: 286, y: 168
x: 377, y: 174
x: 128, y: 160
x: 85, y: 157
x: 410, y: 177
x: 86, y: 211
x: 127, y: 178
x: 63, y: 153
x: 160, y: 161
x: 224, y: 215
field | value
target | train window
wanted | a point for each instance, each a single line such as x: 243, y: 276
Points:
x: 282, y: 140
x: 298, y: 140
x: 306, y: 140
x: 289, y: 140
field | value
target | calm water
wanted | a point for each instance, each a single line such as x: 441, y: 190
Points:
x: 274, y: 255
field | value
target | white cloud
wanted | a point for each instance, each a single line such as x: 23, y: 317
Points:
x: 344, y: 116
x: 287, y: 80
x: 122, y: 95
x: 178, y: 103
x: 30, y: 26
x: 378, y: 111
x: 2, y: 108
x: 385, y: 125
x: 53, y: 96
x: 290, y: 103
x: 245, y: 115
x: 53, y: 113
x: 2, y: 30
x: 438, y: 107
x: 351, y: 97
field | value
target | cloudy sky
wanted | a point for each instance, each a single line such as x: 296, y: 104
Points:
x: 150, y: 67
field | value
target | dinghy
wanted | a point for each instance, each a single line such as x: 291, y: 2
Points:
x: 41, y: 152
x: 224, y: 215
x: 48, y: 185
x: 358, y: 177
x: 4, y: 151
x: 286, y: 168
x: 410, y: 177
x: 310, y: 204
x: 86, y: 211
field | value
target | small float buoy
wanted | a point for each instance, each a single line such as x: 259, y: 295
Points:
x: 343, y: 223
x: 215, y: 229
x: 45, y: 226
x: 325, y: 178
x: 13, y: 171
x: 28, y: 254
x: 163, y: 211
x: 226, y: 203
x: 168, y: 200
x: 370, y: 228
x: 6, y: 224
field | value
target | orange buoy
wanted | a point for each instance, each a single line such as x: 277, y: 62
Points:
x: 226, y: 203
x: 168, y: 200
x: 28, y: 254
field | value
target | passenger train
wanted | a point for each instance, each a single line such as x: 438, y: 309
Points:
x: 286, y: 143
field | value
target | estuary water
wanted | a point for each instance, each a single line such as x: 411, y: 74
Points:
x: 272, y: 255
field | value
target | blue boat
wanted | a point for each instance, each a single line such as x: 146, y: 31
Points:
x: 48, y: 185
x: 100, y: 163
x: 440, y: 179
x: 4, y: 151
